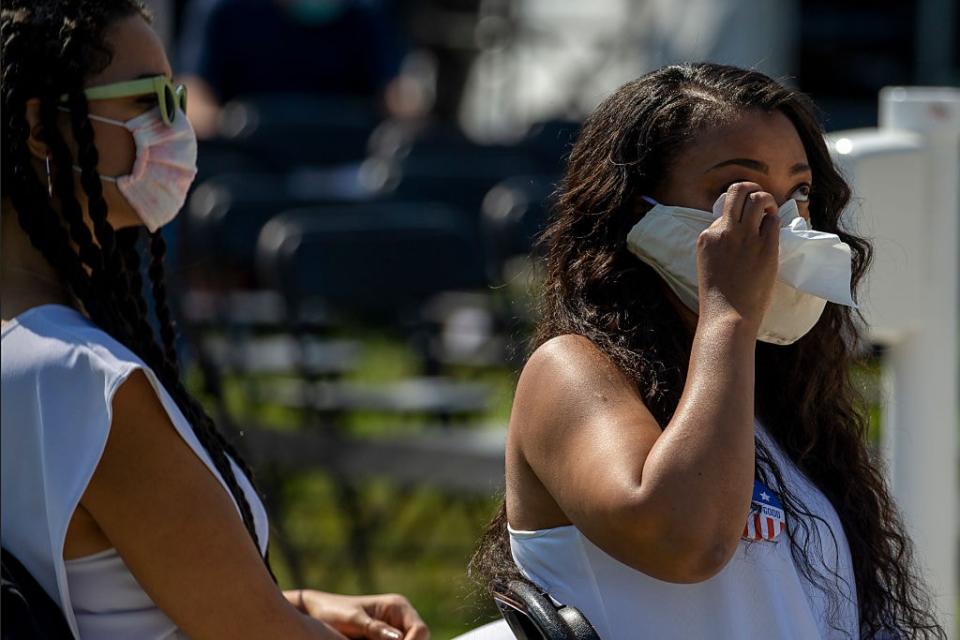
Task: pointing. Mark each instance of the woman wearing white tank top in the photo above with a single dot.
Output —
(120, 497)
(686, 454)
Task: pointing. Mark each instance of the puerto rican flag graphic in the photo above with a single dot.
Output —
(766, 519)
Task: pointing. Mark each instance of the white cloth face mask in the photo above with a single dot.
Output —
(814, 266)
(164, 168)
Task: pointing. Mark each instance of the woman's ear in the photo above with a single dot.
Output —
(35, 141)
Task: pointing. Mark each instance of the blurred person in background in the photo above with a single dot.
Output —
(687, 453)
(119, 494)
(447, 30)
(242, 48)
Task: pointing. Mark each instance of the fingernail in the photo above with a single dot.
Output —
(391, 634)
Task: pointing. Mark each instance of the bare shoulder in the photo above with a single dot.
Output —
(567, 380)
(133, 395)
(575, 413)
(139, 419)
(571, 368)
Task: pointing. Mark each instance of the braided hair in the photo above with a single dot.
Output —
(50, 48)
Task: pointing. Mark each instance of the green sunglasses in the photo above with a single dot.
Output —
(169, 97)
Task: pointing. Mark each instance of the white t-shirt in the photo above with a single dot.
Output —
(59, 376)
(760, 593)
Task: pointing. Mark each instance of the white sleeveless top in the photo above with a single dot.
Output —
(59, 375)
(760, 593)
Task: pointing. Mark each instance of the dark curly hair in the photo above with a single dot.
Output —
(805, 395)
(51, 48)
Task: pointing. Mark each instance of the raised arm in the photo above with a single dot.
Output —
(671, 503)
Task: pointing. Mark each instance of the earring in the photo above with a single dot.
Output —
(49, 179)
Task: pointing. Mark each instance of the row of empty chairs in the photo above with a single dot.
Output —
(314, 227)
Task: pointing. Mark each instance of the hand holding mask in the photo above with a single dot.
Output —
(814, 266)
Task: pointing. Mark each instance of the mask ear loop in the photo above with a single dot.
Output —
(49, 179)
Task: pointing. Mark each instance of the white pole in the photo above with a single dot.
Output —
(924, 412)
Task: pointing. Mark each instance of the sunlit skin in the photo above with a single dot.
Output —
(582, 447)
(759, 147)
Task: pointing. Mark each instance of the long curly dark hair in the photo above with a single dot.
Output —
(51, 48)
(805, 396)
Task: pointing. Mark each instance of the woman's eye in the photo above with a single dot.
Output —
(801, 193)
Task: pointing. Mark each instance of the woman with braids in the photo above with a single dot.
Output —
(686, 455)
(119, 495)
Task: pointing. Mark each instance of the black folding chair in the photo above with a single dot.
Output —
(550, 142)
(460, 179)
(374, 265)
(288, 130)
(514, 213)
(439, 163)
(378, 258)
(532, 615)
(224, 215)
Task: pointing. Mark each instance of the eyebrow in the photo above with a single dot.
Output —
(756, 165)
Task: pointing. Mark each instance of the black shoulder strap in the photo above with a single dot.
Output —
(28, 611)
